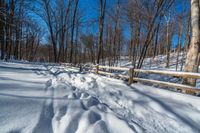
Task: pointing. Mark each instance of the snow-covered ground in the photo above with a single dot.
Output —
(159, 62)
(41, 98)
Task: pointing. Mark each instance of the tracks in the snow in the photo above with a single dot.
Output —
(74, 110)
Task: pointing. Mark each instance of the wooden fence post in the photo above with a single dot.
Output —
(80, 68)
(130, 72)
(97, 69)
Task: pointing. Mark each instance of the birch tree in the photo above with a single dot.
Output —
(192, 59)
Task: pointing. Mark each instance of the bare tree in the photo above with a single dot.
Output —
(72, 31)
(192, 60)
(101, 27)
(49, 19)
(161, 6)
(2, 26)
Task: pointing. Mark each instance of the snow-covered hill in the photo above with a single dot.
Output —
(159, 62)
(42, 98)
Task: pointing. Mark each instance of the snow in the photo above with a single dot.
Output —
(159, 62)
(48, 98)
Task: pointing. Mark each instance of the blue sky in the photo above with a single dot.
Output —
(89, 11)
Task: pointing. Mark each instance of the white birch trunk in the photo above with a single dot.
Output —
(192, 59)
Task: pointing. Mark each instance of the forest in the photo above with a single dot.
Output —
(62, 30)
(68, 31)
(99, 66)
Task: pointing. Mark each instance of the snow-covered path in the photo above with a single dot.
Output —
(32, 100)
(22, 96)
(46, 99)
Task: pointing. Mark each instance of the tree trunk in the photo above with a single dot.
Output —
(2, 31)
(179, 45)
(192, 60)
(156, 39)
(76, 41)
(72, 33)
(168, 46)
(101, 25)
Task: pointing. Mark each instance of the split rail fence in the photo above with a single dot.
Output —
(103, 70)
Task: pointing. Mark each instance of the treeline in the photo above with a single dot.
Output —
(58, 31)
(19, 35)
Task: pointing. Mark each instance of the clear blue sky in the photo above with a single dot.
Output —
(89, 11)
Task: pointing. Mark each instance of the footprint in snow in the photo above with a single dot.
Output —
(78, 95)
(37, 72)
(84, 95)
(61, 112)
(73, 88)
(102, 107)
(91, 101)
(93, 117)
(120, 93)
(100, 127)
(65, 96)
(73, 95)
(82, 79)
(49, 83)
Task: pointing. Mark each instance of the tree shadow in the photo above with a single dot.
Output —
(23, 69)
(17, 80)
(193, 125)
(34, 97)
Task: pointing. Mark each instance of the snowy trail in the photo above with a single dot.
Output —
(22, 94)
(33, 100)
(53, 99)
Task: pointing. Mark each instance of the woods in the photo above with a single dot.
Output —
(61, 31)
(99, 66)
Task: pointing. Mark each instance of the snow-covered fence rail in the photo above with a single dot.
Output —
(184, 88)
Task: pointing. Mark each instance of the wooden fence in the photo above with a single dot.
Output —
(102, 70)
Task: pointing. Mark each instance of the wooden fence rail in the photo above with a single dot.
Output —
(102, 70)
